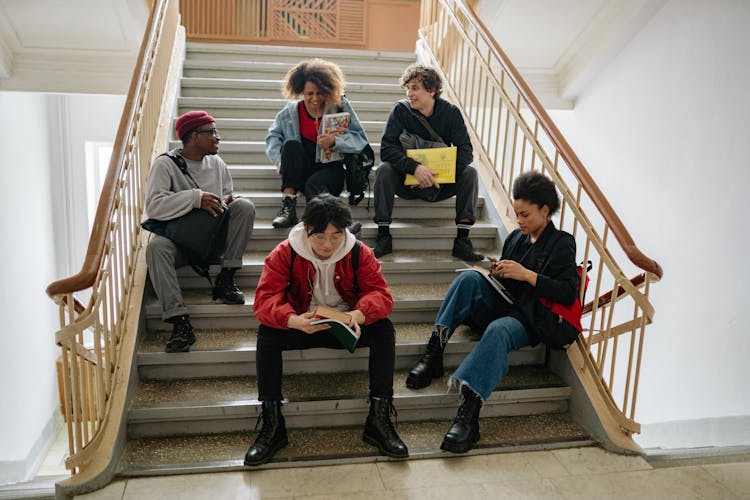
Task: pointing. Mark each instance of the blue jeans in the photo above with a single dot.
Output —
(471, 300)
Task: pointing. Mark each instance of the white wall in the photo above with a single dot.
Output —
(45, 229)
(664, 130)
(28, 390)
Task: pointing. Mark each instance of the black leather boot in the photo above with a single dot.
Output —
(429, 366)
(379, 430)
(182, 335)
(287, 216)
(464, 250)
(272, 435)
(226, 289)
(464, 432)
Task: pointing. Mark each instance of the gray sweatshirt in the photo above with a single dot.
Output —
(171, 194)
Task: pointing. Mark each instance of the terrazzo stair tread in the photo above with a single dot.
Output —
(216, 341)
(313, 387)
(282, 53)
(317, 446)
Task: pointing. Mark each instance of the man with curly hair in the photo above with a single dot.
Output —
(423, 103)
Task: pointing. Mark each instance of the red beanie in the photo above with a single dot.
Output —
(191, 121)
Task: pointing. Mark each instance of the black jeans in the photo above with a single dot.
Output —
(379, 337)
(300, 171)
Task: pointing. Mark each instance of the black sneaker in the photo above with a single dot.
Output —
(227, 290)
(383, 245)
(182, 337)
(464, 250)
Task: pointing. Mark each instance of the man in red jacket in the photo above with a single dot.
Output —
(314, 267)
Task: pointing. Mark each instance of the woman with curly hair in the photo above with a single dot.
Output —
(295, 142)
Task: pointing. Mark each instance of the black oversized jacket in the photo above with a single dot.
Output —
(559, 282)
(446, 120)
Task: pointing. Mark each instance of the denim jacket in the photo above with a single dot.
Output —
(286, 126)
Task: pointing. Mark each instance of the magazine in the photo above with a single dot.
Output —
(493, 281)
(441, 160)
(337, 322)
(336, 123)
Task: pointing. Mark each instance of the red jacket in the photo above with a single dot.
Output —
(277, 297)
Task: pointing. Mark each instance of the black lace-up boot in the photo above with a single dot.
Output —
(226, 289)
(464, 432)
(182, 335)
(287, 216)
(463, 249)
(272, 435)
(429, 366)
(379, 430)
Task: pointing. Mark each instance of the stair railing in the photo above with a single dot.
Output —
(94, 330)
(512, 134)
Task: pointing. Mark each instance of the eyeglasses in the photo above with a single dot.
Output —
(332, 238)
(212, 131)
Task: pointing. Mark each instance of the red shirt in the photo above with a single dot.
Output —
(308, 126)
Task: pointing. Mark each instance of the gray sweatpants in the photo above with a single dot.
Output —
(163, 257)
(389, 182)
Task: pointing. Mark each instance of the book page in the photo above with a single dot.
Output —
(441, 160)
(336, 123)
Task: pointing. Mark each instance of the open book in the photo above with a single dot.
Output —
(337, 322)
(441, 160)
(335, 123)
(493, 281)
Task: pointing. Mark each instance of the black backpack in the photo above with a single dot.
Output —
(358, 166)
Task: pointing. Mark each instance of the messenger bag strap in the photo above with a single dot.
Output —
(433, 135)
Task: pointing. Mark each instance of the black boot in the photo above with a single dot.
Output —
(287, 216)
(464, 432)
(226, 289)
(429, 366)
(182, 335)
(383, 244)
(464, 250)
(272, 435)
(379, 430)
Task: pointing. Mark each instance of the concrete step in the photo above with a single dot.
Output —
(271, 88)
(253, 152)
(309, 447)
(255, 129)
(392, 61)
(217, 405)
(227, 353)
(249, 107)
(202, 67)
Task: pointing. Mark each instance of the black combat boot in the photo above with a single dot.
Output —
(287, 216)
(226, 289)
(464, 432)
(464, 250)
(272, 435)
(182, 335)
(379, 430)
(383, 244)
(429, 366)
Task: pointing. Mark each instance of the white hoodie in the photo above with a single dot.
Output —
(324, 291)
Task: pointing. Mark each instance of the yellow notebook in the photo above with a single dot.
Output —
(441, 160)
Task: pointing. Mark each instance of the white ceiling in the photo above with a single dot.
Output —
(91, 45)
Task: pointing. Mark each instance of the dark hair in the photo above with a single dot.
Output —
(538, 189)
(326, 209)
(428, 76)
(326, 75)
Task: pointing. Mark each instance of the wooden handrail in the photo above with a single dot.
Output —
(97, 241)
(566, 152)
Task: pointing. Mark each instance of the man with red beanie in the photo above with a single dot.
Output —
(171, 193)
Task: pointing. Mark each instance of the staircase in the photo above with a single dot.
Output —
(196, 411)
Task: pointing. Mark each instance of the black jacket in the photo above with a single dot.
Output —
(446, 120)
(559, 282)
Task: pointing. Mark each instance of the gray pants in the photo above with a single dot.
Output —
(163, 257)
(389, 182)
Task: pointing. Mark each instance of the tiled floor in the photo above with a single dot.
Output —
(572, 473)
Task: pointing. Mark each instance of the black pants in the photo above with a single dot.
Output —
(379, 337)
(300, 171)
